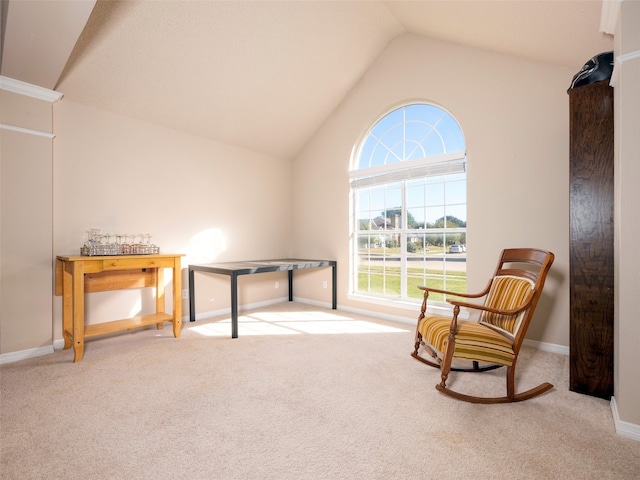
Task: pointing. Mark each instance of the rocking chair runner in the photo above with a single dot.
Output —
(495, 338)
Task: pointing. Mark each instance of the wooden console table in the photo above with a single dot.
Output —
(77, 275)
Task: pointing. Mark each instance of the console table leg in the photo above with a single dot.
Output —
(159, 276)
(77, 280)
(67, 307)
(177, 298)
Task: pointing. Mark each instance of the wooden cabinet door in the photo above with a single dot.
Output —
(591, 239)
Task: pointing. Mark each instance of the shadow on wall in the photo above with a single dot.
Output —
(542, 316)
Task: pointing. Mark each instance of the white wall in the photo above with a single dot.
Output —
(515, 117)
(26, 281)
(217, 202)
(210, 201)
(627, 220)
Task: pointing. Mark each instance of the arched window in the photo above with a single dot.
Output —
(408, 185)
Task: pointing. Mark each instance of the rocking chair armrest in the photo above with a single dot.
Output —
(449, 292)
(514, 311)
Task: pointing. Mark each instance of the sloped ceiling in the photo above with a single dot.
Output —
(261, 75)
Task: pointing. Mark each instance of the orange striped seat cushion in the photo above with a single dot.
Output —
(473, 341)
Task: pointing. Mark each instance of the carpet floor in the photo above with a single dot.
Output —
(303, 393)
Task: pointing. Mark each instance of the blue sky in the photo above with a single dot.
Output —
(411, 133)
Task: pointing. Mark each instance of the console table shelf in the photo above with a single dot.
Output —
(126, 324)
(77, 275)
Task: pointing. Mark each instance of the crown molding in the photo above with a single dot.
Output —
(609, 16)
(28, 131)
(625, 57)
(29, 90)
(620, 59)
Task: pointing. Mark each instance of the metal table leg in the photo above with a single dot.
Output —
(234, 305)
(192, 297)
(334, 282)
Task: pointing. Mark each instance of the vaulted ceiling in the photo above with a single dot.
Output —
(262, 75)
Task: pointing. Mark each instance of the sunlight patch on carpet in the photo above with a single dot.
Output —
(292, 323)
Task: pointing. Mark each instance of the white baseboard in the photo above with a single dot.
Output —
(312, 302)
(544, 346)
(624, 429)
(382, 316)
(24, 354)
(227, 311)
(59, 344)
(547, 347)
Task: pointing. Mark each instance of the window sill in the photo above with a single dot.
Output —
(414, 307)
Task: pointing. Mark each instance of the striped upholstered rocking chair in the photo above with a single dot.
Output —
(495, 338)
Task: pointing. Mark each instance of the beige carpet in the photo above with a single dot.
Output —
(304, 393)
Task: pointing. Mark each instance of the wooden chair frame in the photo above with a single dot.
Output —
(540, 260)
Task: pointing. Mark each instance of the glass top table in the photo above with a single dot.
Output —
(235, 269)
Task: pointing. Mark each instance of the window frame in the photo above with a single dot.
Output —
(401, 172)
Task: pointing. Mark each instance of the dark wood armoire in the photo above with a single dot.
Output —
(591, 239)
